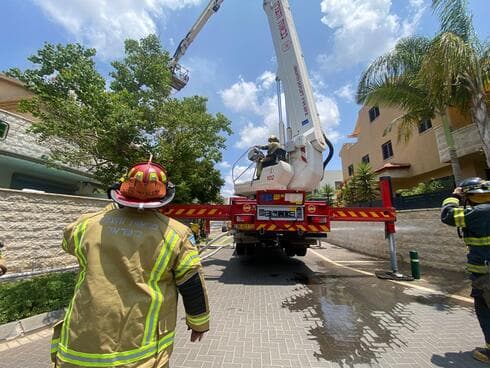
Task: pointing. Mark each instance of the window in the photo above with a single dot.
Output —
(21, 181)
(373, 113)
(365, 159)
(425, 125)
(351, 170)
(387, 149)
(4, 129)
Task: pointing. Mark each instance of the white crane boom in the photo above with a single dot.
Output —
(302, 114)
(180, 77)
(304, 141)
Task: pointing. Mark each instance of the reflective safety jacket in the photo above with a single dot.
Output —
(475, 224)
(123, 313)
(271, 147)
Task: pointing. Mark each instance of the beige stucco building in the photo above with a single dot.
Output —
(424, 157)
(22, 159)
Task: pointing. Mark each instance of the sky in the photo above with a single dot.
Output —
(232, 62)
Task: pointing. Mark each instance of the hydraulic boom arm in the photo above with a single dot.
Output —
(180, 78)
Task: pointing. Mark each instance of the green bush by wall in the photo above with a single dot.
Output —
(26, 298)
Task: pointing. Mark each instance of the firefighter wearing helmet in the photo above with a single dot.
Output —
(272, 150)
(473, 224)
(133, 261)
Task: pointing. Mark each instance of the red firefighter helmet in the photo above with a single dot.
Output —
(144, 187)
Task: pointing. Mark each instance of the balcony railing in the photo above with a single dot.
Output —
(466, 139)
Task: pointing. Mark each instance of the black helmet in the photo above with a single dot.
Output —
(476, 190)
(475, 185)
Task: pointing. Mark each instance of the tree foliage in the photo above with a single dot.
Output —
(425, 77)
(366, 183)
(326, 192)
(106, 126)
(363, 186)
(422, 188)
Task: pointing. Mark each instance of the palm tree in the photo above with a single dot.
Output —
(328, 192)
(366, 184)
(457, 66)
(394, 80)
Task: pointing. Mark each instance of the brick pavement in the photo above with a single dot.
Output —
(271, 312)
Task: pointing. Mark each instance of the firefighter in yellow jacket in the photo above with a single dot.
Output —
(133, 260)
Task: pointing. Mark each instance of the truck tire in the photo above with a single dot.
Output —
(290, 252)
(301, 251)
(240, 250)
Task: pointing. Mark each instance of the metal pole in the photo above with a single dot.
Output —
(387, 197)
(392, 245)
(282, 134)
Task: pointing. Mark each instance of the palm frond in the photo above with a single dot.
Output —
(449, 67)
(404, 60)
(455, 17)
(485, 65)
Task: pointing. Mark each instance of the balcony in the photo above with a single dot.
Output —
(466, 139)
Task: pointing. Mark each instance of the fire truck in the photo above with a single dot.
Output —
(273, 210)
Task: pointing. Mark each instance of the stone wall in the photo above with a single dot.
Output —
(422, 230)
(31, 227)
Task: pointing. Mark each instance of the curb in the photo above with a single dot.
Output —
(16, 329)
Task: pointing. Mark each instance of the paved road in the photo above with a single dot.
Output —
(272, 311)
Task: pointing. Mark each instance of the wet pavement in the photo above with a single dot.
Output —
(273, 311)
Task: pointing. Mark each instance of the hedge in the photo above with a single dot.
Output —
(26, 298)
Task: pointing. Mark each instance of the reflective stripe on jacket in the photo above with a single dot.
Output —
(123, 312)
(475, 224)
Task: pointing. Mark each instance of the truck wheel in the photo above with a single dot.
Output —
(250, 250)
(301, 251)
(240, 250)
(290, 252)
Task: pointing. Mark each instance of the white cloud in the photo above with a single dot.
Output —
(267, 79)
(241, 96)
(346, 92)
(364, 29)
(106, 24)
(258, 102)
(329, 116)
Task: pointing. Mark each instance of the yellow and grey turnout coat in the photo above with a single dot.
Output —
(123, 312)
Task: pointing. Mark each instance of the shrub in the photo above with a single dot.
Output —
(422, 188)
(26, 298)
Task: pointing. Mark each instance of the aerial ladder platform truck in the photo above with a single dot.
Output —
(272, 210)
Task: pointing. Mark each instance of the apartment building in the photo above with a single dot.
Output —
(424, 157)
(22, 159)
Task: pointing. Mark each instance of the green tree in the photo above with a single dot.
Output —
(395, 80)
(328, 192)
(346, 195)
(457, 67)
(107, 127)
(425, 77)
(366, 184)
